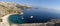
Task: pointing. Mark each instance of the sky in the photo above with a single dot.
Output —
(42, 3)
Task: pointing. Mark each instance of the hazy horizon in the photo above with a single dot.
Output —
(43, 3)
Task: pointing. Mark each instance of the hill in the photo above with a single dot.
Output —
(10, 7)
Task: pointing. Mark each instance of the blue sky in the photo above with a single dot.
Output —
(42, 3)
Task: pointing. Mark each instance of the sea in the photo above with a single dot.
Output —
(40, 15)
(35, 15)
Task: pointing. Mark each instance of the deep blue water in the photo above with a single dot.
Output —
(39, 15)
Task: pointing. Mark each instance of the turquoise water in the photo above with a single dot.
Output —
(16, 18)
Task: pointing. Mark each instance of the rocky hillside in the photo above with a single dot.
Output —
(9, 8)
